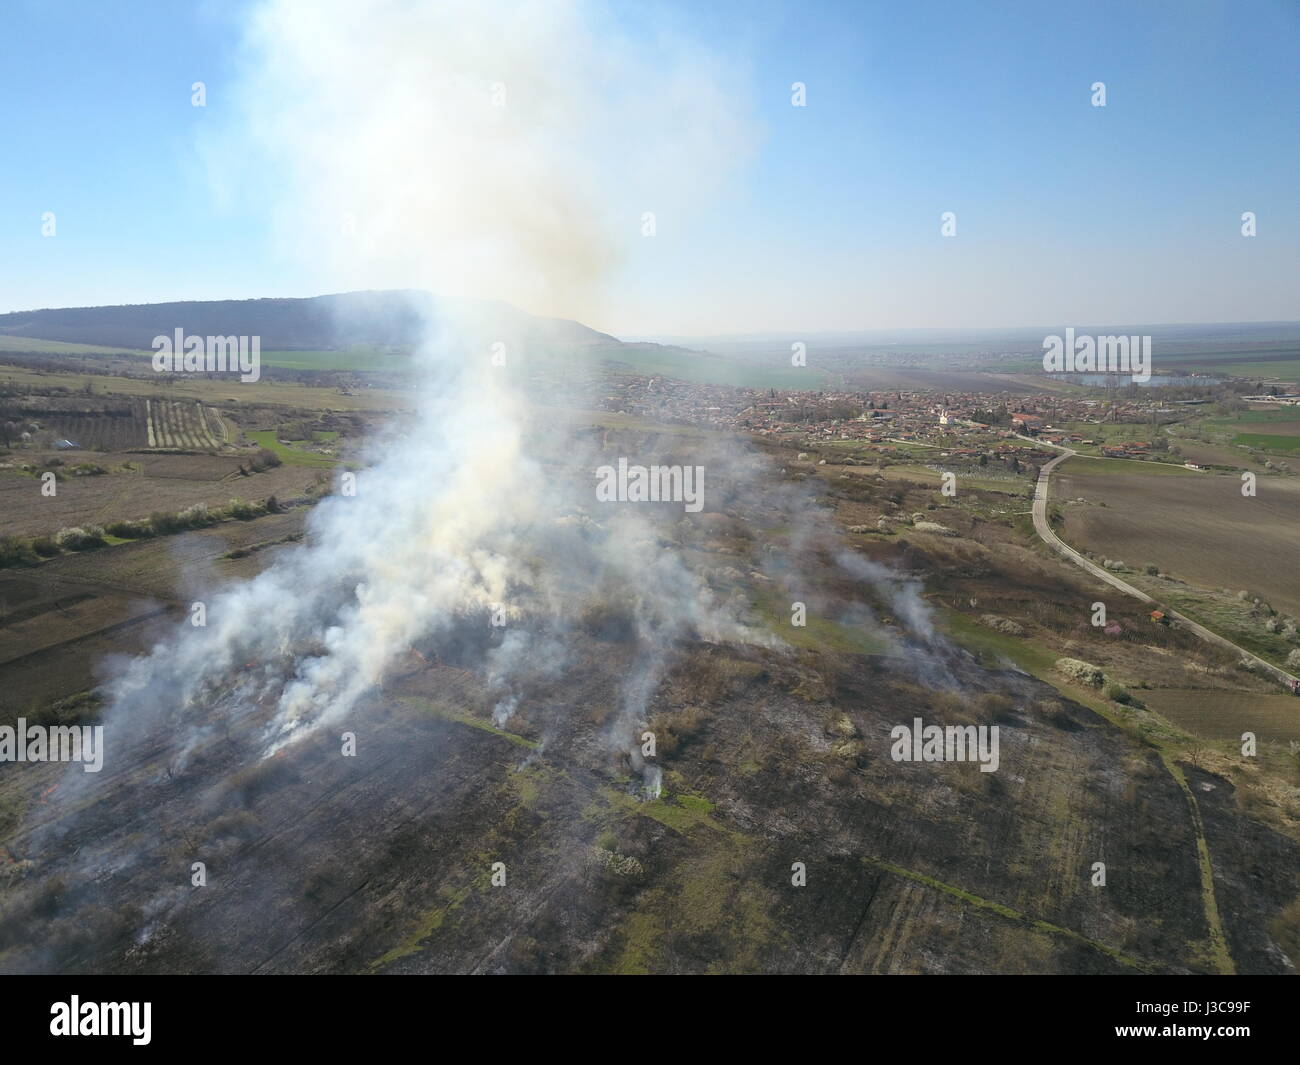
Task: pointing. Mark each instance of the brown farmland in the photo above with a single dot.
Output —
(1197, 526)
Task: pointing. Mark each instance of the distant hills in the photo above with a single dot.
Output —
(382, 319)
(374, 331)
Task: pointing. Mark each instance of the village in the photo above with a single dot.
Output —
(963, 424)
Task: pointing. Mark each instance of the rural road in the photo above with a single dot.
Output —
(1045, 532)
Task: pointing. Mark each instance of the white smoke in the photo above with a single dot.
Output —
(479, 149)
(485, 151)
(929, 652)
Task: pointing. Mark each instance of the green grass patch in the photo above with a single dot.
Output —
(820, 633)
(990, 646)
(290, 456)
(1282, 370)
(1132, 467)
(427, 925)
(1256, 417)
(1269, 441)
(60, 347)
(463, 718)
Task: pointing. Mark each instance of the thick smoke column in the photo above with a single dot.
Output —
(481, 151)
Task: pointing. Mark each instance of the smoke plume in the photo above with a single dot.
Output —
(483, 151)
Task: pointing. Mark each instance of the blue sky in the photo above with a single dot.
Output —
(1065, 212)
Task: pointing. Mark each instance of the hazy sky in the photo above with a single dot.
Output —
(1065, 212)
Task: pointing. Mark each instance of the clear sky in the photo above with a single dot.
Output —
(1065, 212)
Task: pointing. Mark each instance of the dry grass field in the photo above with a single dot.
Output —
(167, 483)
(1218, 455)
(215, 390)
(60, 622)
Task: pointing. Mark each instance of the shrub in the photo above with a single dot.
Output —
(265, 459)
(1084, 672)
(14, 550)
(195, 517)
(76, 538)
(953, 708)
(129, 530)
(678, 728)
(45, 546)
(933, 527)
(242, 511)
(996, 703)
(1006, 625)
(163, 523)
(73, 710)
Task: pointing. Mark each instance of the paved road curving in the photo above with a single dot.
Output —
(1045, 532)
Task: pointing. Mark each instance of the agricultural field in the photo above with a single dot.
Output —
(1225, 715)
(1286, 370)
(374, 360)
(1194, 525)
(1124, 468)
(92, 422)
(1217, 455)
(1273, 432)
(1270, 441)
(27, 345)
(1016, 485)
(151, 484)
(121, 422)
(213, 391)
(183, 425)
(137, 456)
